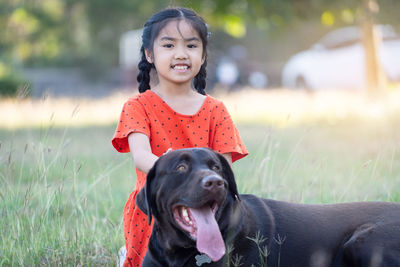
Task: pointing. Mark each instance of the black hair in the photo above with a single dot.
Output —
(152, 28)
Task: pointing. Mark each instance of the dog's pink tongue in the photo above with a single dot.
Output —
(209, 238)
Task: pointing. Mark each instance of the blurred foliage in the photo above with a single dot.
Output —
(65, 33)
(85, 33)
(11, 84)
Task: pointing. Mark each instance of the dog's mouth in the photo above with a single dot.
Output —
(202, 226)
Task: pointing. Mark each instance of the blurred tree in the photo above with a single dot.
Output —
(68, 33)
(376, 78)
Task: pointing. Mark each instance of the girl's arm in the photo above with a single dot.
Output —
(139, 145)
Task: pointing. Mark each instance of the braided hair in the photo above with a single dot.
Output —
(151, 30)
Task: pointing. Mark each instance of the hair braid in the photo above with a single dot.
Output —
(144, 72)
(199, 81)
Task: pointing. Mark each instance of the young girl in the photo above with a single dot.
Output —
(171, 115)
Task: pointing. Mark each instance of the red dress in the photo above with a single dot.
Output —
(147, 113)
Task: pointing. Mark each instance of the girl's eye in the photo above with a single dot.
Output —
(215, 168)
(192, 46)
(168, 45)
(181, 168)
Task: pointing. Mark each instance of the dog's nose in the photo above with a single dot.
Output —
(212, 183)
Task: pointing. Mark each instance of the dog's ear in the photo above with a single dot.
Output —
(229, 176)
(143, 198)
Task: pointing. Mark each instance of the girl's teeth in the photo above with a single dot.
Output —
(180, 67)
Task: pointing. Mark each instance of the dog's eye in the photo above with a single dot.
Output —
(181, 167)
(215, 168)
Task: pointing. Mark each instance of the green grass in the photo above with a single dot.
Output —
(348, 161)
(62, 190)
(62, 194)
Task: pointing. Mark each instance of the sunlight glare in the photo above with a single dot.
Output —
(276, 107)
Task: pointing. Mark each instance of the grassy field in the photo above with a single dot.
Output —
(63, 187)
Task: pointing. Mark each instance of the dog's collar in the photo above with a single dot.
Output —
(201, 259)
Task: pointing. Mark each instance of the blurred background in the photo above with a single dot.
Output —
(89, 48)
(312, 85)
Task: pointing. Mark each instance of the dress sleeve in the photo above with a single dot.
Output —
(133, 119)
(226, 136)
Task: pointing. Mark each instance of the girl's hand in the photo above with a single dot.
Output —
(168, 150)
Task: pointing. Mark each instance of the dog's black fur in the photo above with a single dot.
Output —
(349, 234)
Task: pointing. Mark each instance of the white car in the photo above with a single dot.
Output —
(338, 61)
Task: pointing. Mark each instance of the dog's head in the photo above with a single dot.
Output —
(185, 191)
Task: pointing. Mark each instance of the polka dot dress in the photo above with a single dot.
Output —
(147, 113)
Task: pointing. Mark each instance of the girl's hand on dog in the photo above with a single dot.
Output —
(168, 150)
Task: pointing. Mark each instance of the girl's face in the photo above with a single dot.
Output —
(177, 53)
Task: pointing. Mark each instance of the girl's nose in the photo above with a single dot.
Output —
(181, 52)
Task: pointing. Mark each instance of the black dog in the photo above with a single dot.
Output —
(200, 218)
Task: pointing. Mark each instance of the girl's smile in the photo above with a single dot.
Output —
(180, 67)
